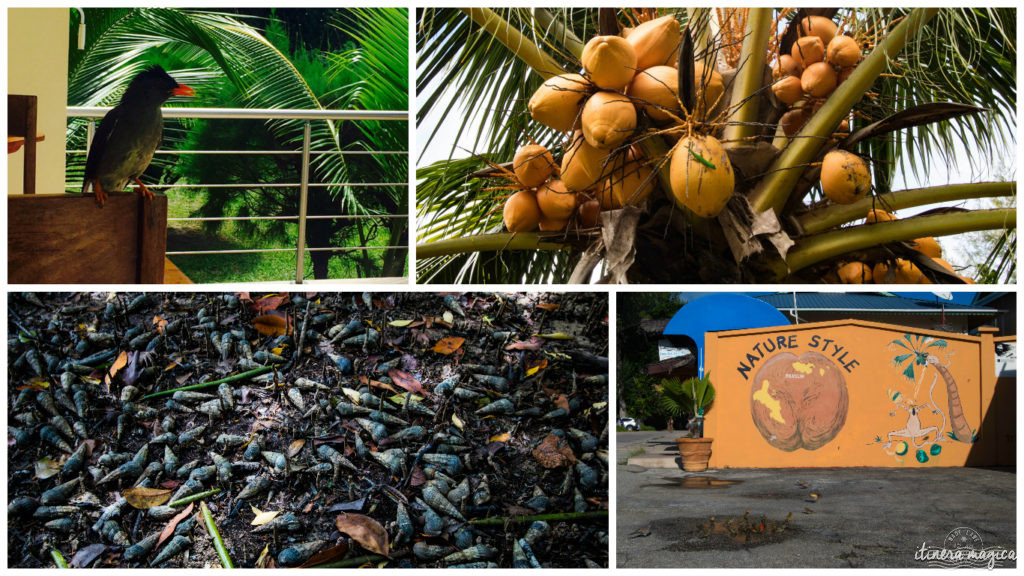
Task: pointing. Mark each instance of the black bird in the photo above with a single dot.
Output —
(129, 134)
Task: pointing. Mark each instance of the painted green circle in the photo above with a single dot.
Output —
(902, 448)
(922, 456)
(935, 450)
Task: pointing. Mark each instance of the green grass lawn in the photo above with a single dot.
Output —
(265, 267)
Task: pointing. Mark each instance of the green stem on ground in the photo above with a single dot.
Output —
(218, 542)
(773, 190)
(352, 562)
(487, 243)
(194, 497)
(821, 219)
(814, 249)
(228, 380)
(58, 558)
(541, 62)
(559, 517)
(749, 76)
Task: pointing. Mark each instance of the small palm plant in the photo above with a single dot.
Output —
(691, 396)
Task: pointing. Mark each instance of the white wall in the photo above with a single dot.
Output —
(37, 64)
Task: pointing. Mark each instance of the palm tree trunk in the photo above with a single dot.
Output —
(958, 422)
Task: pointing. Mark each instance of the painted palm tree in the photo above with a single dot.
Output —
(930, 79)
(234, 64)
(916, 356)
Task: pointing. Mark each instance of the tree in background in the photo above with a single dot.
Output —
(254, 58)
(635, 349)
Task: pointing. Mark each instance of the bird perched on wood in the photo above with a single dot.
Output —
(129, 134)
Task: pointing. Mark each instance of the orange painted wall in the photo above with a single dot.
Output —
(844, 401)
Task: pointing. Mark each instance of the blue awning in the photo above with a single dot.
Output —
(721, 311)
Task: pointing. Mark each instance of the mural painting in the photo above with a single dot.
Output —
(799, 401)
(927, 425)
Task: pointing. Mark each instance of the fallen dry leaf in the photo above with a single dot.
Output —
(407, 381)
(159, 323)
(561, 401)
(295, 447)
(364, 530)
(549, 306)
(86, 555)
(532, 344)
(262, 517)
(47, 468)
(269, 302)
(500, 437)
(537, 367)
(553, 452)
(169, 528)
(144, 498)
(273, 324)
(330, 555)
(400, 323)
(448, 345)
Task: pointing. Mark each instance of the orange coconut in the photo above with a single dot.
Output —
(819, 79)
(655, 89)
(807, 51)
(877, 215)
(588, 213)
(880, 274)
(627, 185)
(583, 166)
(793, 120)
(551, 225)
(701, 175)
(855, 273)
(533, 164)
(655, 42)
(927, 246)
(843, 51)
(710, 88)
(844, 177)
(521, 213)
(608, 120)
(908, 273)
(819, 26)
(557, 103)
(788, 90)
(787, 66)
(556, 202)
(609, 61)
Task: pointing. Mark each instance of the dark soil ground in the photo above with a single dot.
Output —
(101, 343)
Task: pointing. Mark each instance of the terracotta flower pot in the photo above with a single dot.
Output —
(695, 453)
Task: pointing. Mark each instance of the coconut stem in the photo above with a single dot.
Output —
(559, 517)
(833, 215)
(774, 189)
(814, 249)
(541, 62)
(556, 29)
(210, 384)
(58, 558)
(749, 75)
(218, 542)
(193, 498)
(487, 243)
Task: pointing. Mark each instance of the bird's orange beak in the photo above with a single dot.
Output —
(183, 90)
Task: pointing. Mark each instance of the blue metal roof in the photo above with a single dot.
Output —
(871, 302)
(721, 311)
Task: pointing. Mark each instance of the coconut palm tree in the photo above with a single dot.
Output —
(932, 84)
(234, 64)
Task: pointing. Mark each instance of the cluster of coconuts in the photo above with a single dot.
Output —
(819, 61)
(901, 271)
(543, 202)
(624, 77)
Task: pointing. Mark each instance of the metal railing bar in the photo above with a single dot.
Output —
(254, 113)
(317, 217)
(259, 250)
(300, 260)
(283, 152)
(266, 185)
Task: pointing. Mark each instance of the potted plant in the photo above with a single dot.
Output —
(690, 396)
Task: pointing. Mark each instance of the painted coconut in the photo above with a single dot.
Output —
(799, 402)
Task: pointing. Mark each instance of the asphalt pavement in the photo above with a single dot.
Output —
(837, 517)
